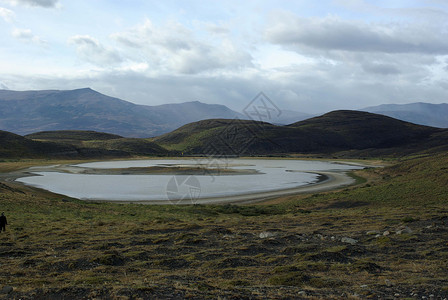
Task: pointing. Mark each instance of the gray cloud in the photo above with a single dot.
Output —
(382, 69)
(316, 89)
(334, 34)
(92, 51)
(41, 3)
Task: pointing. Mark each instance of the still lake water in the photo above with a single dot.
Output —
(272, 174)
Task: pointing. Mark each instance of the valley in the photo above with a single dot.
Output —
(372, 233)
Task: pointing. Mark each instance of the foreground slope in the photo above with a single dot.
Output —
(383, 239)
(333, 132)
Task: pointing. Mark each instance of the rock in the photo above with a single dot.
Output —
(349, 240)
(266, 234)
(7, 289)
(386, 233)
(302, 293)
(372, 232)
(403, 229)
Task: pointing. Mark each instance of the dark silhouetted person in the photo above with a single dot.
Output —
(3, 222)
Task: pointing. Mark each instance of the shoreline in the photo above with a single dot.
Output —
(327, 181)
(330, 181)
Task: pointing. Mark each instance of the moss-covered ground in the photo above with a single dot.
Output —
(385, 237)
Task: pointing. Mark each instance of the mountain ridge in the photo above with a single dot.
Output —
(26, 112)
(418, 112)
(85, 109)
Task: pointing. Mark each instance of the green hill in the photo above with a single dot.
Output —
(100, 141)
(74, 144)
(333, 132)
(15, 146)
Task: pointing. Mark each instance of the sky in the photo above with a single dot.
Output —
(307, 56)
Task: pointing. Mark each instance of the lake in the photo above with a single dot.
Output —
(215, 178)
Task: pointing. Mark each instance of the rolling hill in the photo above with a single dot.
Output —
(99, 141)
(333, 132)
(419, 113)
(74, 145)
(341, 133)
(14, 146)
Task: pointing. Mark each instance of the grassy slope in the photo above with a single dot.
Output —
(13, 145)
(77, 249)
(333, 132)
(72, 135)
(133, 146)
(89, 141)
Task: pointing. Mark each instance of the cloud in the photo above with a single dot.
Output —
(335, 34)
(90, 49)
(39, 3)
(381, 68)
(27, 35)
(7, 14)
(175, 48)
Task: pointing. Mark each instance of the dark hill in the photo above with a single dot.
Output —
(361, 130)
(68, 144)
(333, 132)
(14, 146)
(100, 141)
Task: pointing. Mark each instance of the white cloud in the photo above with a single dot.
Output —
(7, 14)
(90, 49)
(41, 3)
(175, 48)
(28, 36)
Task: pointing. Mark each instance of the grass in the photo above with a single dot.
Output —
(79, 249)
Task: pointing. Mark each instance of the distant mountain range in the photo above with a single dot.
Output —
(419, 113)
(26, 112)
(85, 109)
